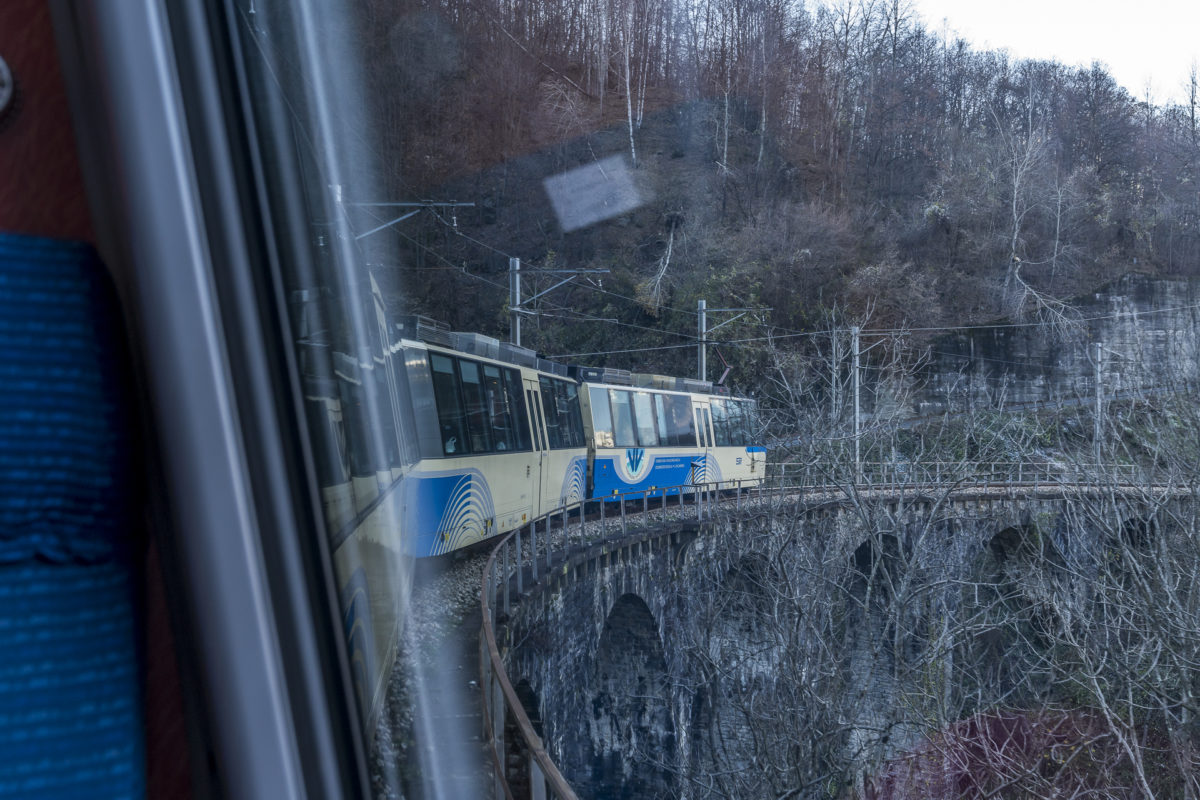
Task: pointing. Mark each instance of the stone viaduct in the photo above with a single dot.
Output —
(618, 652)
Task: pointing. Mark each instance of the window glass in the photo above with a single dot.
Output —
(825, 175)
(720, 421)
(358, 438)
(571, 420)
(535, 416)
(550, 411)
(560, 404)
(602, 424)
(702, 423)
(679, 423)
(449, 405)
(740, 411)
(660, 420)
(515, 411)
(479, 423)
(644, 418)
(622, 412)
(499, 419)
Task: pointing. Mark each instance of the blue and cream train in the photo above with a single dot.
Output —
(481, 437)
(437, 440)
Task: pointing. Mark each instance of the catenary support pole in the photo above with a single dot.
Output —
(1096, 425)
(857, 422)
(514, 301)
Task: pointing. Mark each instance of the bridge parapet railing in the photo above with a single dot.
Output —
(522, 558)
(815, 476)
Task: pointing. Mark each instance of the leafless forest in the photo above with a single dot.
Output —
(791, 155)
(842, 162)
(910, 649)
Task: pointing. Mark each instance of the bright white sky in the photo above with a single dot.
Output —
(1155, 40)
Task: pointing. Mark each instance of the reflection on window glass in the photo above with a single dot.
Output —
(516, 413)
(570, 414)
(479, 423)
(720, 422)
(818, 174)
(622, 412)
(678, 420)
(449, 405)
(560, 405)
(602, 424)
(645, 418)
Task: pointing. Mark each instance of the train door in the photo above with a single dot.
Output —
(541, 448)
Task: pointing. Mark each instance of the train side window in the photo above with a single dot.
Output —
(602, 426)
(660, 420)
(644, 418)
(449, 405)
(539, 426)
(720, 423)
(572, 418)
(622, 411)
(680, 428)
(543, 425)
(517, 411)
(479, 423)
(740, 411)
(550, 411)
(499, 415)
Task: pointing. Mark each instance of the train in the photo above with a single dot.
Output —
(440, 440)
(483, 436)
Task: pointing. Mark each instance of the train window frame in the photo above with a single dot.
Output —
(517, 413)
(645, 420)
(443, 393)
(600, 410)
(478, 420)
(624, 428)
(719, 422)
(677, 409)
(574, 411)
(552, 415)
(563, 413)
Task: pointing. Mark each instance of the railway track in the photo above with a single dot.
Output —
(443, 637)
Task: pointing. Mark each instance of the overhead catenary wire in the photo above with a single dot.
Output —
(778, 333)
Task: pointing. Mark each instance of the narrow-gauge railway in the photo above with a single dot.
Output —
(480, 438)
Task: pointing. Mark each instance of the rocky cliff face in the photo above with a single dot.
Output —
(1147, 329)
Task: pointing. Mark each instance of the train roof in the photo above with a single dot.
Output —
(432, 332)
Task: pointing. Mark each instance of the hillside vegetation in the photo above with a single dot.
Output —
(790, 156)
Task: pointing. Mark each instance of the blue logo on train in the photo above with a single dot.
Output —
(447, 510)
(635, 461)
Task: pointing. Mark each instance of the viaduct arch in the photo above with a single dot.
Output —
(633, 699)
